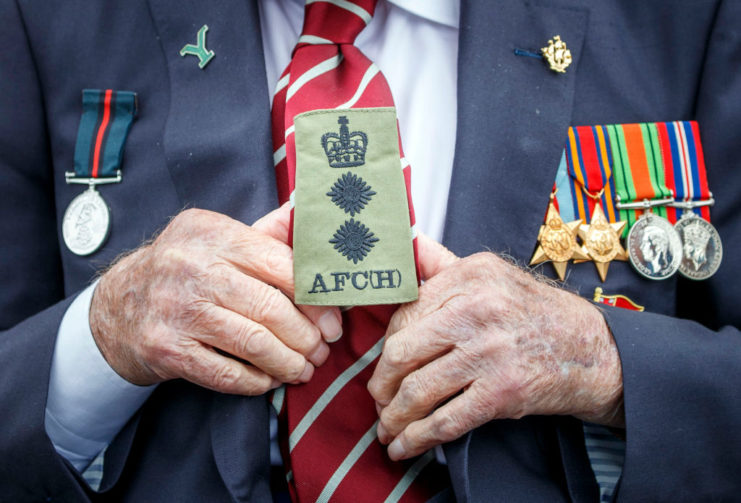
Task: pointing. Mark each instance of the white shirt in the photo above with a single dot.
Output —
(415, 44)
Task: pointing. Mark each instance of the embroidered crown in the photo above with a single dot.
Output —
(345, 150)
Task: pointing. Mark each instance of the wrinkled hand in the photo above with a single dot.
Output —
(207, 296)
(513, 345)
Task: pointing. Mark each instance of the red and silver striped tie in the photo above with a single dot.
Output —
(330, 422)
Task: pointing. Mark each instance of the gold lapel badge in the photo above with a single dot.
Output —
(557, 55)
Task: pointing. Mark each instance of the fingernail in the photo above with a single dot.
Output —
(383, 435)
(275, 384)
(396, 450)
(307, 373)
(320, 355)
(330, 325)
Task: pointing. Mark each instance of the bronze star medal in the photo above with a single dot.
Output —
(602, 241)
(557, 242)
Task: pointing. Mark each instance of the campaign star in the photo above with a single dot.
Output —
(602, 241)
(557, 242)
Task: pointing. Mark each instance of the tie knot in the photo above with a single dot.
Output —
(335, 21)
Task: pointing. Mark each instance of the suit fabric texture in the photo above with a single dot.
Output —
(202, 139)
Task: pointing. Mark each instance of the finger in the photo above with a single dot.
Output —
(327, 319)
(260, 256)
(247, 248)
(256, 344)
(276, 223)
(204, 367)
(435, 295)
(420, 392)
(405, 352)
(269, 307)
(447, 423)
(433, 257)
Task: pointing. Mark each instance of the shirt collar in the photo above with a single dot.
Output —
(445, 12)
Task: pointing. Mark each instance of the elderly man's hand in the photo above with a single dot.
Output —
(210, 301)
(500, 343)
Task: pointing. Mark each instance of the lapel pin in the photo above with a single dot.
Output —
(199, 50)
(615, 300)
(557, 55)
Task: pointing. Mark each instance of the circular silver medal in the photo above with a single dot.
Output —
(701, 247)
(654, 247)
(86, 222)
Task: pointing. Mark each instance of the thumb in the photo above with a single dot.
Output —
(328, 319)
(275, 223)
(433, 257)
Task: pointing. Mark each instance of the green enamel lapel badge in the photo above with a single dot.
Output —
(352, 239)
(199, 50)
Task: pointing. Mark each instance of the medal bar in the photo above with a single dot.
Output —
(71, 178)
(660, 196)
(107, 116)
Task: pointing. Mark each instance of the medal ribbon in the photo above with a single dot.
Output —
(684, 165)
(106, 119)
(639, 168)
(588, 159)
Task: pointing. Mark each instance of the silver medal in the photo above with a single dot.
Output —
(86, 223)
(701, 247)
(654, 247)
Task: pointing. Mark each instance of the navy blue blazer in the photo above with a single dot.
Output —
(202, 139)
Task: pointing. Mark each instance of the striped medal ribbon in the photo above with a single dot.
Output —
(107, 116)
(684, 170)
(589, 195)
(589, 165)
(328, 425)
(643, 192)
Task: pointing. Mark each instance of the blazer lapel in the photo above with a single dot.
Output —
(217, 139)
(456, 454)
(513, 114)
(575, 461)
(218, 150)
(241, 444)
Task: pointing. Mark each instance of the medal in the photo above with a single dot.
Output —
(588, 194)
(557, 241)
(86, 223)
(656, 168)
(644, 189)
(602, 241)
(104, 125)
(654, 247)
(702, 250)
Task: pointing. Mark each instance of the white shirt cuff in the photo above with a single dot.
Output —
(88, 401)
